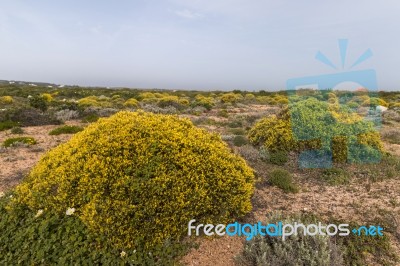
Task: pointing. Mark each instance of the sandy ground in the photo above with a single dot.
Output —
(15, 162)
(215, 251)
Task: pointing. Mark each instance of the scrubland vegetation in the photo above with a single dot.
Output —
(139, 164)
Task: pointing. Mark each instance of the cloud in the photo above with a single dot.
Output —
(186, 13)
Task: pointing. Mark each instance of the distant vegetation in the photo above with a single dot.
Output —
(65, 130)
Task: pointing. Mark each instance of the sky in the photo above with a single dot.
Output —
(195, 44)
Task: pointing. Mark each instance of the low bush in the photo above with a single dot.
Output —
(231, 97)
(19, 140)
(238, 131)
(94, 101)
(102, 172)
(158, 110)
(66, 130)
(278, 157)
(32, 117)
(250, 98)
(336, 176)
(273, 133)
(47, 97)
(358, 249)
(283, 180)
(206, 102)
(239, 141)
(173, 101)
(131, 103)
(391, 115)
(264, 154)
(235, 123)
(17, 130)
(66, 115)
(392, 135)
(223, 113)
(6, 100)
(90, 118)
(45, 237)
(313, 125)
(248, 152)
(7, 125)
(38, 102)
(295, 250)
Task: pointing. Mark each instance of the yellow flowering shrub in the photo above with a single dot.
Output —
(132, 102)
(47, 97)
(318, 125)
(138, 178)
(206, 102)
(146, 95)
(231, 97)
(273, 133)
(374, 101)
(6, 100)
(93, 101)
(169, 101)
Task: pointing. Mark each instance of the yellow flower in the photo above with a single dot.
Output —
(123, 253)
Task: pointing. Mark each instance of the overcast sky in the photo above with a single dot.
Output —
(194, 44)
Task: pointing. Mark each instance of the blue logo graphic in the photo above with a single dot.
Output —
(368, 231)
(353, 112)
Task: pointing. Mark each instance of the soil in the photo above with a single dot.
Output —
(15, 162)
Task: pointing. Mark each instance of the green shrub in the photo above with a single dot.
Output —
(39, 103)
(336, 176)
(238, 131)
(32, 117)
(7, 125)
(50, 238)
(353, 104)
(319, 125)
(264, 154)
(90, 118)
(223, 113)
(170, 101)
(283, 180)
(17, 130)
(235, 123)
(374, 101)
(295, 250)
(14, 141)
(239, 141)
(249, 97)
(102, 172)
(278, 157)
(65, 130)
